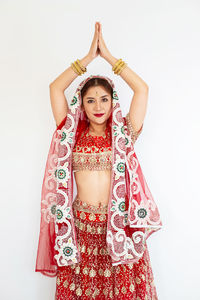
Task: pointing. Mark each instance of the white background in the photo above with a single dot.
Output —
(160, 41)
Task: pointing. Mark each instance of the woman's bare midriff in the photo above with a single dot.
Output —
(93, 187)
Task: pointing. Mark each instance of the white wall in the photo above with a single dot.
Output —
(160, 41)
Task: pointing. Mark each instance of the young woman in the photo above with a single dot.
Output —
(95, 243)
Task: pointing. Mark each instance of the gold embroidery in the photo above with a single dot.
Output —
(83, 248)
(134, 134)
(88, 292)
(58, 281)
(72, 266)
(89, 250)
(93, 229)
(88, 228)
(107, 273)
(82, 226)
(78, 204)
(132, 288)
(111, 294)
(95, 251)
(96, 292)
(143, 277)
(137, 280)
(77, 270)
(86, 271)
(78, 291)
(102, 217)
(105, 291)
(130, 265)
(123, 289)
(101, 272)
(72, 286)
(116, 291)
(92, 161)
(82, 215)
(92, 272)
(65, 283)
(92, 217)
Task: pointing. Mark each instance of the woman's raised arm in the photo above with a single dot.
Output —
(57, 87)
(59, 103)
(138, 104)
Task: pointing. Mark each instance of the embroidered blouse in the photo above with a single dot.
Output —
(92, 152)
(95, 152)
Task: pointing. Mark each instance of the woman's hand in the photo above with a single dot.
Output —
(94, 50)
(104, 52)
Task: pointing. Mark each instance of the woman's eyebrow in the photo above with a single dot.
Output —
(94, 98)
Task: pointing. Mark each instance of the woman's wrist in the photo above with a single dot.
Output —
(111, 59)
(86, 60)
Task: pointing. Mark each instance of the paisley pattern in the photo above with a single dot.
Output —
(95, 277)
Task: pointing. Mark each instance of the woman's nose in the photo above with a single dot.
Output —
(98, 105)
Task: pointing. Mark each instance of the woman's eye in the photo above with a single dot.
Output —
(90, 101)
(105, 99)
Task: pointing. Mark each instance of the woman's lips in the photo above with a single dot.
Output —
(98, 115)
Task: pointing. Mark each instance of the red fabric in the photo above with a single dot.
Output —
(103, 144)
(132, 212)
(95, 277)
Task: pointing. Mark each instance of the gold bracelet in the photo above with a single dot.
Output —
(116, 64)
(84, 69)
(74, 68)
(119, 66)
(78, 68)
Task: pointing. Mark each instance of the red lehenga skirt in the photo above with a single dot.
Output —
(95, 277)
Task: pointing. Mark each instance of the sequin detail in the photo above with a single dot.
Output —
(95, 277)
(134, 134)
(92, 152)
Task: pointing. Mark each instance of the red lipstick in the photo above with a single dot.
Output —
(98, 115)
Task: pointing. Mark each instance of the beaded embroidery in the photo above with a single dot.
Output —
(134, 134)
(92, 152)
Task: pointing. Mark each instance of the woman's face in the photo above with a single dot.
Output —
(97, 101)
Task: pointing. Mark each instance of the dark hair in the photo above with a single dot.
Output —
(96, 81)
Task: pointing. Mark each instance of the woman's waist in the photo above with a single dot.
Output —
(92, 184)
(89, 212)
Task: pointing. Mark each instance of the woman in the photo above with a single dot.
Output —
(95, 242)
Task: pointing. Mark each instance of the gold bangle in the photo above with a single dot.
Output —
(120, 65)
(122, 68)
(74, 68)
(84, 69)
(116, 64)
(78, 67)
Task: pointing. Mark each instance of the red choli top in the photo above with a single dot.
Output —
(95, 152)
(92, 152)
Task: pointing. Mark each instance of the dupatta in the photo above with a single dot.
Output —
(132, 212)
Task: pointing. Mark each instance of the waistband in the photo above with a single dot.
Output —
(78, 204)
(90, 218)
